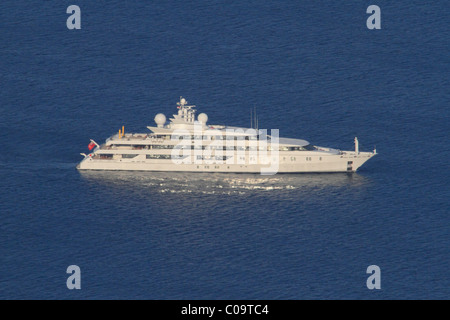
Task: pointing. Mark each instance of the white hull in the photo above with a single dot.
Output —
(290, 164)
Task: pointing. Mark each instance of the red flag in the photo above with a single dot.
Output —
(91, 146)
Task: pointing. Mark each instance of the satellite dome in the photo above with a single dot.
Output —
(203, 118)
(160, 119)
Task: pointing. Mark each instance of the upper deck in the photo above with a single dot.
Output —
(185, 129)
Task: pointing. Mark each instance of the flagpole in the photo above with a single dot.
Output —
(95, 143)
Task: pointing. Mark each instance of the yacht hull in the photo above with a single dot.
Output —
(345, 162)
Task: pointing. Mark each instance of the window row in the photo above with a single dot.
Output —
(212, 147)
(164, 156)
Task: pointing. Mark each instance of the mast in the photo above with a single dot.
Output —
(186, 111)
(356, 145)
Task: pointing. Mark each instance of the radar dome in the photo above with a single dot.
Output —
(203, 118)
(160, 119)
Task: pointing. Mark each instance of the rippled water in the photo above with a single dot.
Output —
(313, 70)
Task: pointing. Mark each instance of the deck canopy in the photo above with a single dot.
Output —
(293, 142)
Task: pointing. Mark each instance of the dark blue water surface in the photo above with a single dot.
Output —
(311, 68)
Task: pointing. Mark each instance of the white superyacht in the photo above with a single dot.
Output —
(192, 145)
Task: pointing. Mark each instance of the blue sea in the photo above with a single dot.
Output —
(312, 69)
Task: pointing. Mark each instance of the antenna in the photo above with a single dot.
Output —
(251, 119)
(255, 122)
